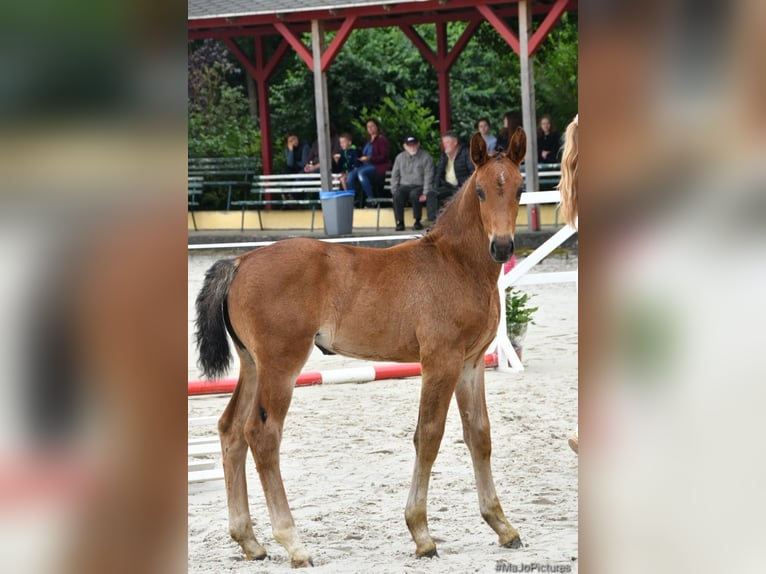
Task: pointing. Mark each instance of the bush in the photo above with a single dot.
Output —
(402, 116)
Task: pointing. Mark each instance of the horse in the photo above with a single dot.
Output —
(277, 302)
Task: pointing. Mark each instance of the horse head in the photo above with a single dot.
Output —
(498, 184)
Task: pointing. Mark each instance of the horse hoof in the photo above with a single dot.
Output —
(428, 554)
(513, 543)
(302, 563)
(261, 556)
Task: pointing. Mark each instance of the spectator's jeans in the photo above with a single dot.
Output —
(405, 192)
(364, 174)
(444, 191)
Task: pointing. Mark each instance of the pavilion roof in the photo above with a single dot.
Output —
(232, 8)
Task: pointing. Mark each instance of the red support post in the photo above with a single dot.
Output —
(442, 72)
(260, 70)
(263, 106)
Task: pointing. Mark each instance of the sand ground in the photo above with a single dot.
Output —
(347, 460)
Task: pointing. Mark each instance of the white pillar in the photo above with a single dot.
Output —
(320, 98)
(528, 101)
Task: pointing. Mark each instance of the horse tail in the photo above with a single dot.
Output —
(212, 318)
(568, 184)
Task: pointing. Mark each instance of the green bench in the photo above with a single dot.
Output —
(229, 173)
(294, 189)
(195, 190)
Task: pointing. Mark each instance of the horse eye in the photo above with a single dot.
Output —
(519, 192)
(480, 193)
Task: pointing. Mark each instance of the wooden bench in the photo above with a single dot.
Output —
(383, 200)
(386, 200)
(195, 190)
(299, 189)
(223, 172)
(548, 175)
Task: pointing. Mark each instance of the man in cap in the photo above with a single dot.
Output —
(411, 178)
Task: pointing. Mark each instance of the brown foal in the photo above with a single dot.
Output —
(277, 302)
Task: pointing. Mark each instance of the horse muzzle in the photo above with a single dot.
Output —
(501, 248)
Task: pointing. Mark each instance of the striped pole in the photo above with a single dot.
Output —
(331, 377)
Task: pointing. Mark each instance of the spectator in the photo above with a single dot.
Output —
(570, 204)
(548, 145)
(482, 125)
(511, 121)
(569, 182)
(411, 177)
(454, 168)
(376, 160)
(296, 153)
(347, 159)
(312, 163)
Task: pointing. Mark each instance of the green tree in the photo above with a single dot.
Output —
(219, 119)
(556, 73)
(401, 116)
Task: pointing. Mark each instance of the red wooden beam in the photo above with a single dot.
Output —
(278, 54)
(296, 43)
(505, 32)
(465, 37)
(422, 46)
(337, 42)
(547, 25)
(251, 68)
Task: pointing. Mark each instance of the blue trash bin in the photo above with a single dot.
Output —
(337, 211)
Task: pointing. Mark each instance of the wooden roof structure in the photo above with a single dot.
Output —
(290, 19)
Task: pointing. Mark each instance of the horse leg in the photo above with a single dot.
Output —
(234, 451)
(473, 413)
(439, 380)
(263, 430)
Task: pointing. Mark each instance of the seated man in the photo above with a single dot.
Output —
(411, 177)
(454, 168)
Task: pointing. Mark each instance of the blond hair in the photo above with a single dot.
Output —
(568, 184)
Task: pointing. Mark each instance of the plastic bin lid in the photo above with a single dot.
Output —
(334, 194)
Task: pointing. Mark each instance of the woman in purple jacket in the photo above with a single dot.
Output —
(376, 160)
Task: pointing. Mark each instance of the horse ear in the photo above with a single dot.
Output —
(479, 155)
(517, 148)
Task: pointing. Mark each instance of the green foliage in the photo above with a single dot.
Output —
(484, 82)
(400, 117)
(220, 124)
(556, 74)
(517, 313)
(226, 129)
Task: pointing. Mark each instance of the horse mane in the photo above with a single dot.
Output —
(454, 225)
(450, 210)
(568, 183)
